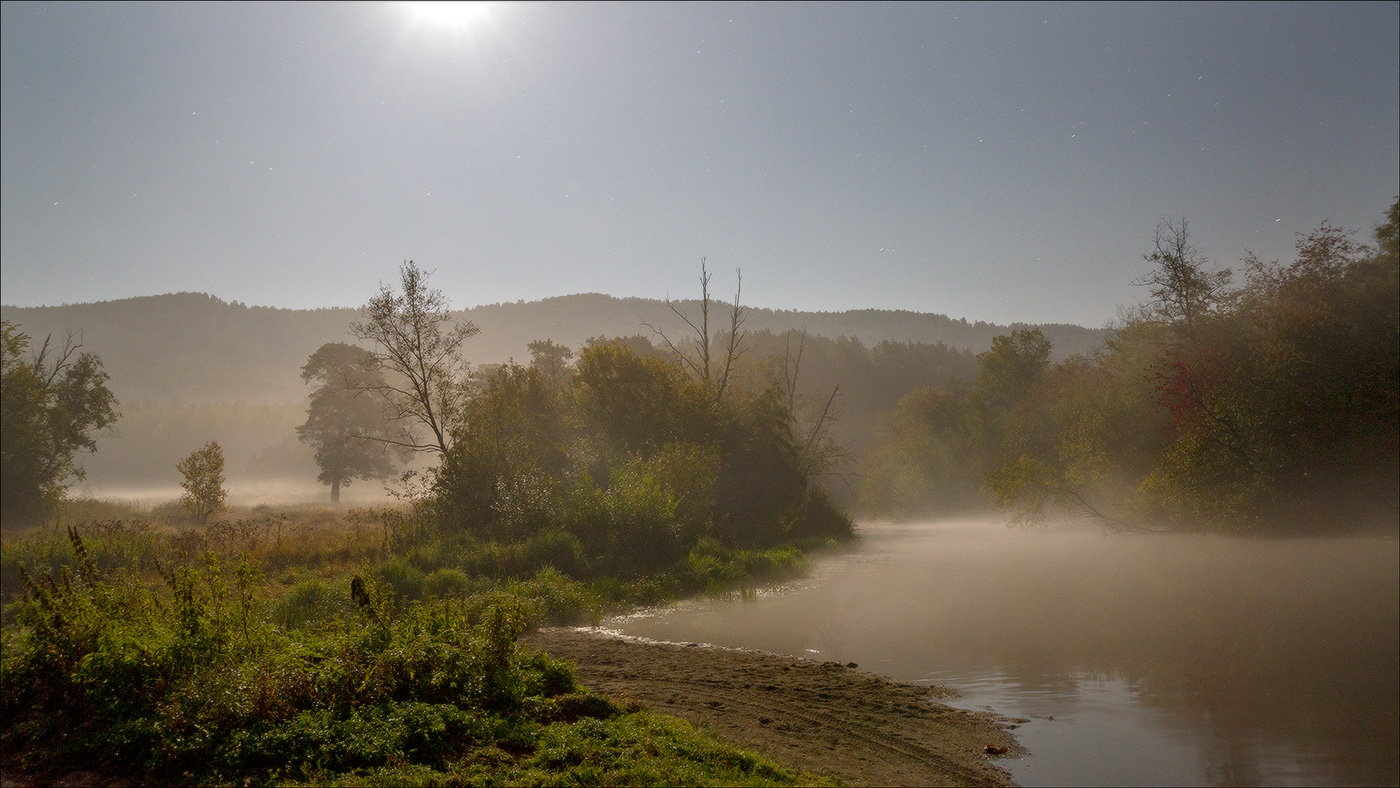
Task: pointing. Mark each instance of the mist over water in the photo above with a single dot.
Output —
(1163, 659)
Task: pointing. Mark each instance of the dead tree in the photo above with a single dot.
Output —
(701, 362)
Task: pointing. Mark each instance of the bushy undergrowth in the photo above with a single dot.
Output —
(123, 645)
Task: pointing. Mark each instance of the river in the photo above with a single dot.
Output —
(1137, 659)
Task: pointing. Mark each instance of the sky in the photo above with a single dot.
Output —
(1000, 162)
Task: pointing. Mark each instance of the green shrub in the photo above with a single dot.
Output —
(373, 736)
(715, 568)
(310, 602)
(818, 517)
(447, 582)
(432, 555)
(556, 549)
(558, 599)
(202, 674)
(402, 576)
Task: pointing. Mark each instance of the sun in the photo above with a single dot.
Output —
(449, 15)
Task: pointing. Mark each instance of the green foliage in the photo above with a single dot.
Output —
(644, 749)
(930, 457)
(509, 450)
(640, 402)
(713, 567)
(1289, 395)
(405, 579)
(167, 652)
(761, 478)
(549, 548)
(192, 680)
(446, 582)
(1211, 407)
(310, 603)
(203, 482)
(560, 491)
(553, 362)
(623, 470)
(1007, 373)
(50, 408)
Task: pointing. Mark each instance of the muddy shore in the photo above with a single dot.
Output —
(823, 717)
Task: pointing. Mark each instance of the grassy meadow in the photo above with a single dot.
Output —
(317, 645)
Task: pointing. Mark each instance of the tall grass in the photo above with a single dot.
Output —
(213, 674)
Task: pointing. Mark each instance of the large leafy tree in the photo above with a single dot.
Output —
(640, 402)
(554, 362)
(55, 404)
(509, 452)
(346, 422)
(1013, 365)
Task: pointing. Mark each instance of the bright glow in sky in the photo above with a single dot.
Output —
(998, 162)
(453, 17)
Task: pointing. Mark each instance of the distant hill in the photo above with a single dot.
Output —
(195, 348)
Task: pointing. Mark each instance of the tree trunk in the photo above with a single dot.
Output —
(335, 491)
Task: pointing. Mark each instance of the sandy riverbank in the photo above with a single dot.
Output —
(823, 717)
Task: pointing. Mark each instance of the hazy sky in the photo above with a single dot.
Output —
(996, 162)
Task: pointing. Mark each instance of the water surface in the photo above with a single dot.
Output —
(1139, 660)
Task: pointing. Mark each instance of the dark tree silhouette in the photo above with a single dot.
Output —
(55, 402)
(346, 422)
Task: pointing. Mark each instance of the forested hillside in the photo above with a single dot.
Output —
(189, 367)
(191, 347)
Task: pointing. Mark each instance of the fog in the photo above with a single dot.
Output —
(1188, 659)
(244, 493)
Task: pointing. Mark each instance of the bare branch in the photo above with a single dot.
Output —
(733, 350)
(1181, 289)
(416, 343)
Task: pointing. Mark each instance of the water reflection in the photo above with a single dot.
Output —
(1162, 659)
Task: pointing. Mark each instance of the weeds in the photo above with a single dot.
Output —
(167, 650)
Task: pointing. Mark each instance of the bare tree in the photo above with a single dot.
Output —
(714, 372)
(417, 342)
(819, 450)
(1182, 290)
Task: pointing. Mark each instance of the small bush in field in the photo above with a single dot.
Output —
(203, 472)
(310, 602)
(447, 582)
(402, 576)
(560, 599)
(556, 549)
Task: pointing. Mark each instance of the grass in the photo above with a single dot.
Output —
(311, 646)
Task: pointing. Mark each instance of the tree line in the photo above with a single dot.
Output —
(1213, 404)
(1270, 404)
(634, 453)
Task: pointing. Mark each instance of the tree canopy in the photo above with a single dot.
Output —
(346, 423)
(203, 482)
(1268, 405)
(55, 404)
